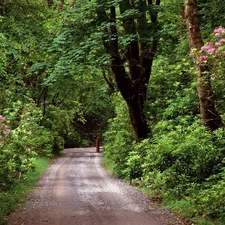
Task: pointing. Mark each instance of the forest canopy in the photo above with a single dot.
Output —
(145, 76)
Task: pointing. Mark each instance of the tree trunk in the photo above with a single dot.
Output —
(50, 3)
(1, 7)
(138, 118)
(209, 115)
(60, 9)
(133, 77)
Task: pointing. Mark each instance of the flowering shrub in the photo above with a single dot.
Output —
(4, 129)
(213, 52)
(216, 47)
(14, 159)
(19, 145)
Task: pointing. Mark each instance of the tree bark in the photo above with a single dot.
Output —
(133, 77)
(1, 7)
(50, 3)
(109, 81)
(209, 115)
(60, 8)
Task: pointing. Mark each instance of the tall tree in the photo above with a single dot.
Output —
(131, 60)
(209, 115)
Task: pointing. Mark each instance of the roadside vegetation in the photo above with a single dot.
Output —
(11, 199)
(132, 73)
(182, 167)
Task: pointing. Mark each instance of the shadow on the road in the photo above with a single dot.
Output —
(82, 150)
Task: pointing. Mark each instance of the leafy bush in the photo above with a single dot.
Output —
(211, 197)
(15, 160)
(118, 137)
(11, 199)
(58, 121)
(182, 157)
(20, 141)
(135, 160)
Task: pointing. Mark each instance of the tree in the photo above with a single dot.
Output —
(131, 59)
(209, 115)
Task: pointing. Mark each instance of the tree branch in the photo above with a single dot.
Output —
(132, 54)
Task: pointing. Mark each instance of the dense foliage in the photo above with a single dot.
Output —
(184, 162)
(48, 99)
(61, 68)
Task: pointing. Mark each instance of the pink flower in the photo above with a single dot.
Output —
(5, 132)
(5, 126)
(217, 34)
(217, 44)
(219, 30)
(2, 118)
(206, 47)
(203, 57)
(222, 40)
(191, 54)
(211, 50)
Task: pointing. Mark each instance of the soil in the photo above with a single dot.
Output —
(77, 190)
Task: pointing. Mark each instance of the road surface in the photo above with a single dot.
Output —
(77, 190)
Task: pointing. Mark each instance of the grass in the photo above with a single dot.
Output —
(183, 207)
(10, 200)
(187, 210)
(107, 164)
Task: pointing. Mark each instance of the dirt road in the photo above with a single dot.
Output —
(76, 190)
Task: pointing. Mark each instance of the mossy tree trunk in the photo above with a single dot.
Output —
(209, 115)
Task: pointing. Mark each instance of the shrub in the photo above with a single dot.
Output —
(118, 138)
(211, 196)
(20, 141)
(180, 159)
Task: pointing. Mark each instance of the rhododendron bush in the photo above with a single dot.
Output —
(215, 50)
(4, 128)
(21, 139)
(213, 53)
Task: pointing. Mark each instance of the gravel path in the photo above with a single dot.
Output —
(76, 190)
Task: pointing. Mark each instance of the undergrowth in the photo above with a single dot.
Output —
(9, 200)
(183, 165)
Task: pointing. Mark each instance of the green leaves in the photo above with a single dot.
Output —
(17, 147)
(118, 138)
(130, 13)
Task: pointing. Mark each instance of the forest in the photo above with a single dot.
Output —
(144, 76)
